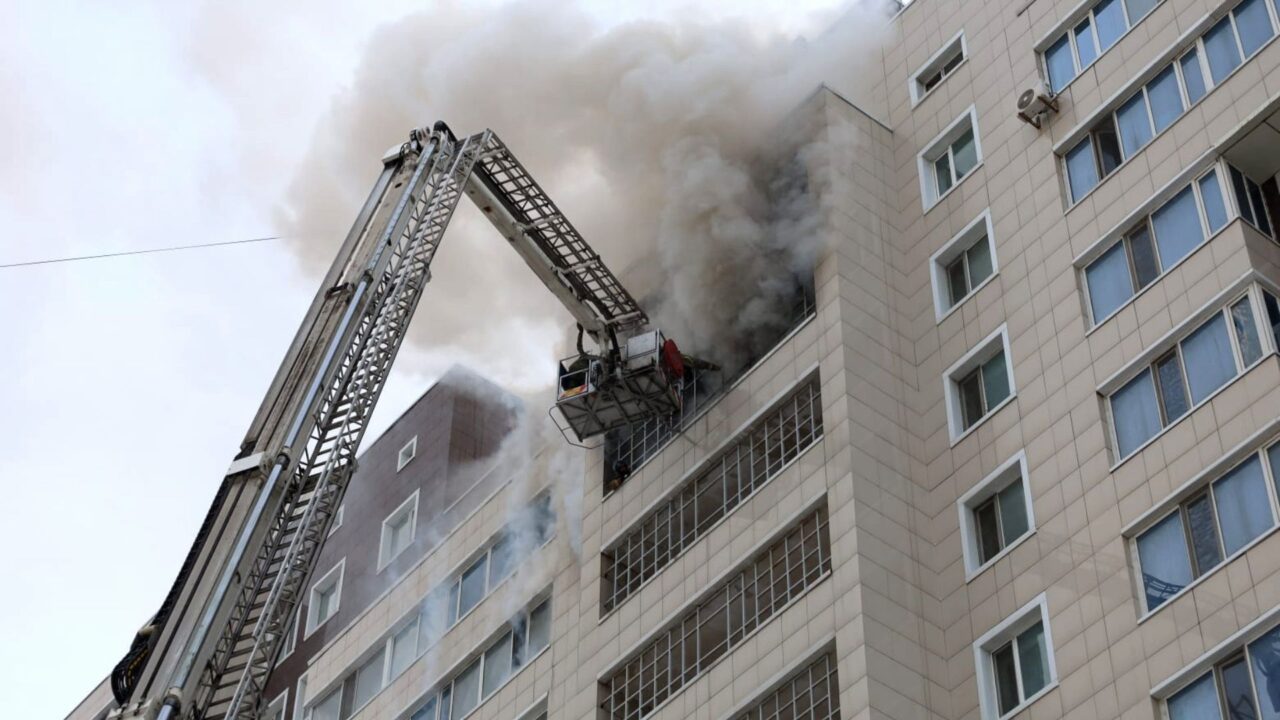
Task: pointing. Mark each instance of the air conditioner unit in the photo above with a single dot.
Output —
(1035, 104)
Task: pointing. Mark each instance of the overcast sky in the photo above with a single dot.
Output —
(127, 383)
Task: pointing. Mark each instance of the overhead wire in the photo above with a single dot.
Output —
(146, 251)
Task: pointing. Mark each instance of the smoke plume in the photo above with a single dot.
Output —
(662, 142)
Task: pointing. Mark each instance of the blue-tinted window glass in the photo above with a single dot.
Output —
(1110, 284)
(1165, 562)
(1211, 193)
(1166, 98)
(1177, 226)
(1244, 508)
(1220, 46)
(1264, 655)
(1192, 76)
(1135, 413)
(1254, 23)
(1139, 8)
(1135, 124)
(1109, 15)
(1060, 63)
(1084, 44)
(1082, 171)
(1199, 701)
(1208, 358)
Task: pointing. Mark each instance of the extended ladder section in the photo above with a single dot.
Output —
(209, 651)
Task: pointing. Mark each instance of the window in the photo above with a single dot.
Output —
(337, 520)
(329, 707)
(326, 595)
(1273, 315)
(398, 530)
(1015, 662)
(1211, 526)
(1094, 34)
(275, 710)
(938, 68)
(964, 264)
(290, 637)
(812, 694)
(1193, 369)
(1155, 105)
(487, 673)
(995, 514)
(726, 480)
(407, 453)
(1245, 685)
(1251, 201)
(978, 384)
(727, 614)
(950, 158)
(1153, 246)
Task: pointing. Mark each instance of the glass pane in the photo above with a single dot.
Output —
(1242, 194)
(1082, 172)
(1177, 227)
(1135, 124)
(971, 398)
(1208, 359)
(1135, 413)
(539, 628)
(988, 530)
(1145, 263)
(1060, 63)
(472, 587)
(497, 665)
(1108, 145)
(1166, 566)
(1254, 23)
(1085, 45)
(404, 648)
(368, 681)
(965, 150)
(957, 280)
(1204, 534)
(942, 171)
(995, 381)
(1264, 653)
(1173, 393)
(979, 261)
(426, 712)
(1033, 657)
(501, 561)
(1211, 193)
(1013, 512)
(466, 691)
(953, 63)
(1110, 284)
(446, 702)
(329, 707)
(1244, 508)
(931, 81)
(1192, 76)
(434, 618)
(1166, 98)
(1273, 315)
(1220, 47)
(1259, 207)
(1109, 14)
(1237, 691)
(1199, 701)
(1006, 678)
(1139, 8)
(1246, 331)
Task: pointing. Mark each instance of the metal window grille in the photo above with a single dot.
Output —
(812, 694)
(789, 427)
(735, 608)
(627, 449)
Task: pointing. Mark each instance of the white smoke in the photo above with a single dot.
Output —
(660, 141)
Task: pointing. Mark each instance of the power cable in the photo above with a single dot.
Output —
(137, 252)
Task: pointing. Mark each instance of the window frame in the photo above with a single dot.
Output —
(407, 510)
(958, 246)
(401, 460)
(312, 624)
(279, 702)
(994, 639)
(937, 63)
(983, 352)
(337, 519)
(1238, 647)
(942, 144)
(1010, 471)
(1236, 203)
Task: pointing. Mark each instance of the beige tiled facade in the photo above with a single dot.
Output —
(899, 609)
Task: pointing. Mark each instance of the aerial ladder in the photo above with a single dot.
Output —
(207, 653)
